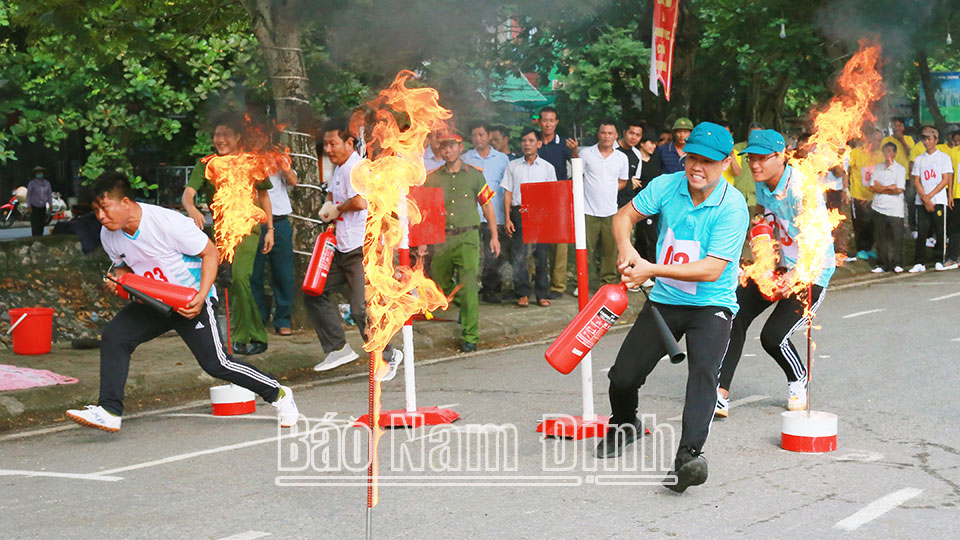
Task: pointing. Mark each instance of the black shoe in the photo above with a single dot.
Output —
(690, 469)
(617, 438)
(241, 348)
(256, 347)
(468, 347)
(554, 295)
(490, 298)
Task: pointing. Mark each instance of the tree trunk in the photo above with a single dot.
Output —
(929, 92)
(684, 57)
(275, 23)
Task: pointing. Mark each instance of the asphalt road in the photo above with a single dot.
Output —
(885, 364)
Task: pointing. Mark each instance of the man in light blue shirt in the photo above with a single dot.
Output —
(779, 203)
(492, 164)
(702, 224)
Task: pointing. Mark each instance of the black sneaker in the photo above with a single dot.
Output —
(490, 298)
(241, 348)
(554, 295)
(468, 347)
(256, 347)
(617, 438)
(690, 469)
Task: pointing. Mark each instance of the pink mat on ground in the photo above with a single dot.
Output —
(18, 378)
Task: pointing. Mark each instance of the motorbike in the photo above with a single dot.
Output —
(14, 210)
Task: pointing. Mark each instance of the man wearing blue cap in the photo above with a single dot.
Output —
(703, 222)
(778, 204)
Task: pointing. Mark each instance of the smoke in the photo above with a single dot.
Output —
(896, 24)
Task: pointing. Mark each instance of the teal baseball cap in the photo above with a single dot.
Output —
(763, 142)
(709, 140)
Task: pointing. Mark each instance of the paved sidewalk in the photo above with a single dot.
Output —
(164, 373)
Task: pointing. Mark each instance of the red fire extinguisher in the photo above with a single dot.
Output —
(763, 247)
(320, 262)
(586, 329)
(175, 296)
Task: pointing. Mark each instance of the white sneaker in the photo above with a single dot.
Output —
(337, 358)
(877, 270)
(939, 267)
(918, 268)
(576, 292)
(950, 265)
(393, 363)
(797, 395)
(723, 406)
(913, 234)
(850, 259)
(95, 416)
(931, 242)
(898, 269)
(287, 411)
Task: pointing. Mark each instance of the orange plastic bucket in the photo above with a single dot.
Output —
(33, 334)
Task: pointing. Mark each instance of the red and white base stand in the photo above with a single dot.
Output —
(588, 424)
(411, 416)
(808, 431)
(231, 400)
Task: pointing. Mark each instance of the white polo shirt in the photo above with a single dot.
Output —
(279, 197)
(894, 175)
(520, 172)
(930, 168)
(600, 180)
(350, 225)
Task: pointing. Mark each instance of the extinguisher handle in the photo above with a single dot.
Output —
(164, 309)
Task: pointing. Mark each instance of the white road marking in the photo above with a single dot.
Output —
(605, 370)
(207, 415)
(447, 406)
(749, 355)
(860, 313)
(877, 508)
(249, 535)
(955, 339)
(864, 456)
(944, 297)
(732, 404)
(99, 477)
(824, 356)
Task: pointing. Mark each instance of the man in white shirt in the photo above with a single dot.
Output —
(887, 182)
(605, 171)
(167, 246)
(492, 164)
(528, 169)
(349, 209)
(282, 282)
(932, 175)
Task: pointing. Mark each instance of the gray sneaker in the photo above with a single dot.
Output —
(392, 364)
(337, 358)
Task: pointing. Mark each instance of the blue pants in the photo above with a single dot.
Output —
(281, 274)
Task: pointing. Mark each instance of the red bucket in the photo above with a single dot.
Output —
(33, 334)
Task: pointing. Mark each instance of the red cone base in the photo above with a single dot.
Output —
(573, 427)
(423, 416)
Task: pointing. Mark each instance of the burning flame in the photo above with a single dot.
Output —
(234, 204)
(394, 293)
(860, 85)
(763, 271)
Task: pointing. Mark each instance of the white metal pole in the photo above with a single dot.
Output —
(580, 236)
(409, 377)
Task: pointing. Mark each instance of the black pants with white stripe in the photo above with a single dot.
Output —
(786, 319)
(137, 323)
(707, 330)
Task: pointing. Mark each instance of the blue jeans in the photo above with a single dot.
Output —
(281, 274)
(518, 260)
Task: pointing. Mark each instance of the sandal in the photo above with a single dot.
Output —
(523, 301)
(543, 302)
(284, 331)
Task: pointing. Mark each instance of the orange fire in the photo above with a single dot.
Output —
(234, 210)
(763, 271)
(860, 85)
(394, 294)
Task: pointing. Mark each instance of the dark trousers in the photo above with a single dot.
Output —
(707, 330)
(953, 232)
(888, 233)
(38, 215)
(518, 260)
(645, 238)
(346, 272)
(862, 224)
(137, 323)
(491, 284)
(834, 201)
(282, 281)
(786, 319)
(929, 223)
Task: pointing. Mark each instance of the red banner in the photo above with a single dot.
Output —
(661, 48)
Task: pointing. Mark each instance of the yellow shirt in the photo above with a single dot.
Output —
(728, 173)
(860, 159)
(954, 154)
(919, 148)
(903, 154)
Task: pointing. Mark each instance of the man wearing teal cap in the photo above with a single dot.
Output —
(703, 222)
(778, 203)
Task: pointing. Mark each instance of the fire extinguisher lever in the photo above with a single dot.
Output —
(673, 348)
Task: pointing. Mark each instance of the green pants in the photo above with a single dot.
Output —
(461, 252)
(244, 315)
(558, 277)
(600, 239)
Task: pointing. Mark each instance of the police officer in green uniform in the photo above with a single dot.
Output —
(463, 188)
(249, 336)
